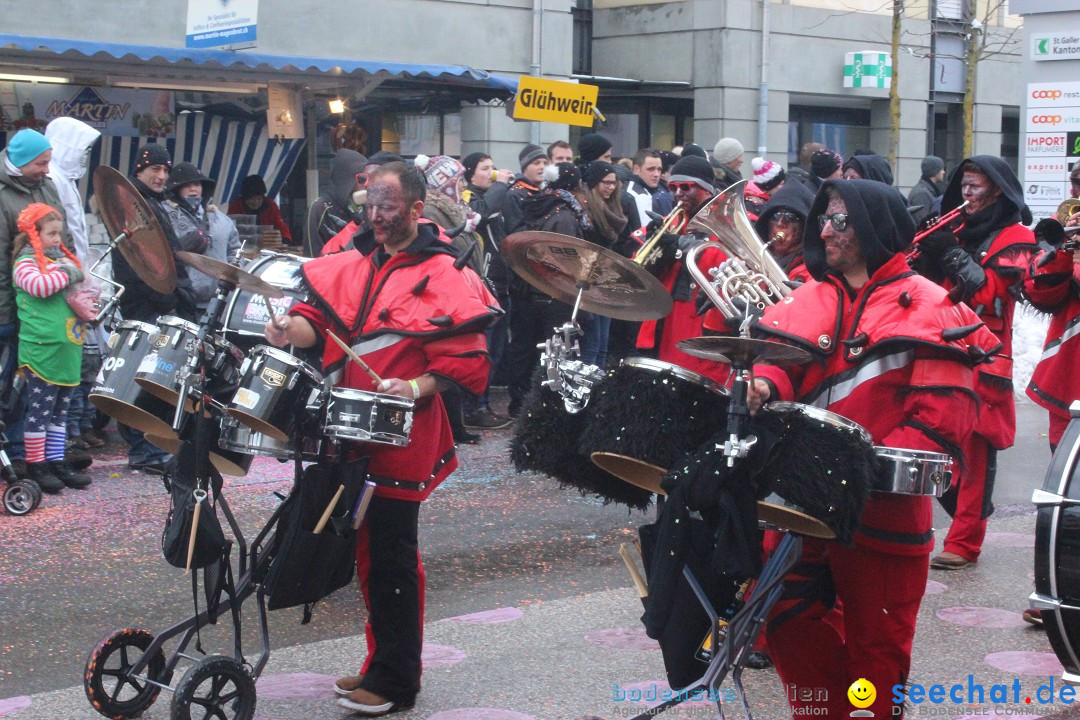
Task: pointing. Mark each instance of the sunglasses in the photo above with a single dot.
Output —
(785, 216)
(839, 221)
(683, 186)
(1075, 181)
(361, 179)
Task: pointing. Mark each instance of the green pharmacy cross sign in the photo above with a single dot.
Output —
(867, 69)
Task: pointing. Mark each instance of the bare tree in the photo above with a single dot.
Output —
(894, 85)
(984, 39)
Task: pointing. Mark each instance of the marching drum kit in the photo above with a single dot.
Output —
(263, 400)
(617, 434)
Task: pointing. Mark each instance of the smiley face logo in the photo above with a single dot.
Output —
(862, 693)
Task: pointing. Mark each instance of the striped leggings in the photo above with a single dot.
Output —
(46, 417)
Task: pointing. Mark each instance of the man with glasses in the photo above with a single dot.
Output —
(691, 182)
(893, 353)
(985, 263)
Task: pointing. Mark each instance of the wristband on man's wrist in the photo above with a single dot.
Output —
(415, 389)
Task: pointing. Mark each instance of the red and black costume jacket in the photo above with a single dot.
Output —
(897, 357)
(1005, 257)
(406, 315)
(683, 321)
(1055, 288)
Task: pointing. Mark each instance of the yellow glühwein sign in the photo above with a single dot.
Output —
(555, 101)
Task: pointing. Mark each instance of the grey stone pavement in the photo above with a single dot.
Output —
(563, 657)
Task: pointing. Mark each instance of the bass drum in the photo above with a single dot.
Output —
(245, 314)
(1057, 551)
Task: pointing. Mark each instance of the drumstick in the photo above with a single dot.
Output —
(635, 574)
(273, 317)
(191, 540)
(356, 358)
(329, 509)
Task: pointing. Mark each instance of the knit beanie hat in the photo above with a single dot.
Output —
(693, 149)
(825, 162)
(597, 171)
(726, 150)
(530, 153)
(470, 161)
(564, 176)
(251, 186)
(384, 158)
(186, 173)
(932, 165)
(441, 172)
(152, 154)
(25, 146)
(667, 159)
(592, 146)
(767, 174)
(693, 169)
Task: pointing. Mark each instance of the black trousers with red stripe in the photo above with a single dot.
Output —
(392, 579)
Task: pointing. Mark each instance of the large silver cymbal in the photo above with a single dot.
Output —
(613, 286)
(742, 351)
(239, 279)
(125, 212)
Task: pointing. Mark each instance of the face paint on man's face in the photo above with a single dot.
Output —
(388, 212)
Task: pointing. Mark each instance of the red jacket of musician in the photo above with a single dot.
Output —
(896, 356)
(1055, 288)
(406, 315)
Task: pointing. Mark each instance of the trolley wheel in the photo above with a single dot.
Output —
(219, 685)
(106, 681)
(21, 497)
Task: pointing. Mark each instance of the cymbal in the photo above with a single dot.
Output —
(125, 212)
(743, 352)
(614, 286)
(239, 279)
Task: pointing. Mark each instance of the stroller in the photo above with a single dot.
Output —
(303, 553)
(21, 495)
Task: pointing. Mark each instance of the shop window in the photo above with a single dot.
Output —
(842, 130)
(663, 131)
(582, 14)
(414, 134)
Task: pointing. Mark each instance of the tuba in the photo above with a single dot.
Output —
(751, 273)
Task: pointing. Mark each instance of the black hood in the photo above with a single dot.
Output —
(343, 170)
(879, 215)
(793, 196)
(1000, 174)
(871, 167)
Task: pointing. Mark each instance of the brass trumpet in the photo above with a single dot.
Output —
(649, 252)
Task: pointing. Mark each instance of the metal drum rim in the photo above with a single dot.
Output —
(826, 416)
(371, 394)
(288, 359)
(898, 453)
(659, 366)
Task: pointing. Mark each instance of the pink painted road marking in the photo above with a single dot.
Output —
(478, 714)
(489, 617)
(434, 656)
(981, 617)
(1023, 662)
(622, 639)
(13, 704)
(933, 587)
(295, 686)
(1009, 539)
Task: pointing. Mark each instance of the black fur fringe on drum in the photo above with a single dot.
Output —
(651, 416)
(825, 470)
(546, 439)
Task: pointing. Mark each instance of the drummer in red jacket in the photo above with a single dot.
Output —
(891, 352)
(418, 320)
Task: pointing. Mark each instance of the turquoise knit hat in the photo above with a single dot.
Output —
(26, 145)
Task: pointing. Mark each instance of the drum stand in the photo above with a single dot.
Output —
(745, 625)
(566, 374)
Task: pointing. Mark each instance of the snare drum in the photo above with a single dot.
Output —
(913, 472)
(277, 394)
(362, 416)
(646, 414)
(245, 314)
(1057, 552)
(819, 473)
(174, 345)
(118, 395)
(240, 439)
